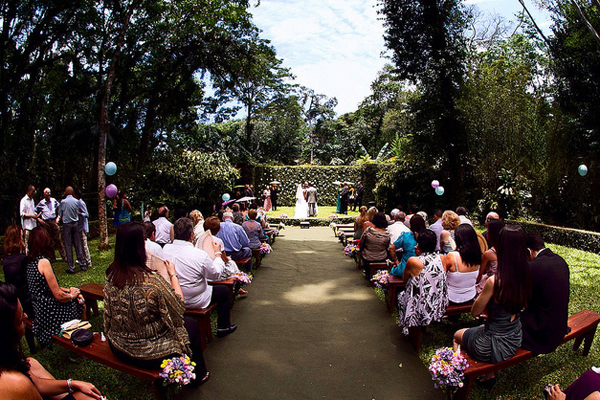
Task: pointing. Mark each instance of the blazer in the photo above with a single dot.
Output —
(545, 318)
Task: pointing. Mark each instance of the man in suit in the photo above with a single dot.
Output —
(344, 196)
(545, 318)
(274, 193)
(311, 199)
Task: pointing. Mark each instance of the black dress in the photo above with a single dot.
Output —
(15, 273)
(50, 314)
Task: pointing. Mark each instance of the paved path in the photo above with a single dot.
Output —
(311, 328)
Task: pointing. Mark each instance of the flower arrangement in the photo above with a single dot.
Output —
(242, 277)
(178, 371)
(275, 232)
(381, 279)
(283, 216)
(332, 216)
(265, 248)
(350, 250)
(447, 368)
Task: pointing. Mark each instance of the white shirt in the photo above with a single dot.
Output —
(154, 248)
(27, 207)
(194, 267)
(396, 229)
(465, 220)
(163, 230)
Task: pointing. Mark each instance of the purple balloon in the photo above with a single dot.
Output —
(111, 191)
(435, 184)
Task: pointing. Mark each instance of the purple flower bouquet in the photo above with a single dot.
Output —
(447, 368)
(178, 371)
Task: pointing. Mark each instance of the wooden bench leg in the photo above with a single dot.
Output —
(588, 339)
(414, 335)
(463, 393)
(91, 304)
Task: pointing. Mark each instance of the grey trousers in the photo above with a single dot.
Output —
(71, 236)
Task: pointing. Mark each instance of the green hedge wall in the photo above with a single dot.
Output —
(320, 176)
(575, 238)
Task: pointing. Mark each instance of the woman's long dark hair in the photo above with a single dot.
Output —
(494, 228)
(512, 286)
(467, 244)
(129, 266)
(11, 353)
(39, 243)
(417, 224)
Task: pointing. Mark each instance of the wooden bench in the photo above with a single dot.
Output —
(257, 257)
(100, 352)
(583, 328)
(92, 293)
(395, 284)
(202, 317)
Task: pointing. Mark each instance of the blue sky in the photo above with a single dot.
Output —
(335, 46)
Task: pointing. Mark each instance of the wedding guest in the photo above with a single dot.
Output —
(274, 196)
(149, 244)
(397, 228)
(198, 221)
(25, 378)
(143, 313)
(413, 209)
(586, 387)
(437, 226)
(358, 224)
(338, 207)
(375, 244)
(83, 229)
(148, 214)
(462, 266)
(425, 298)
(407, 243)
(238, 216)
(462, 215)
(69, 214)
(235, 240)
(489, 217)
(504, 296)
(194, 268)
(53, 305)
(267, 195)
(351, 197)
(125, 209)
(47, 209)
(545, 320)
(15, 266)
(450, 221)
(358, 195)
(489, 260)
(254, 230)
(164, 231)
(28, 215)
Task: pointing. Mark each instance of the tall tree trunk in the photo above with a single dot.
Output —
(105, 129)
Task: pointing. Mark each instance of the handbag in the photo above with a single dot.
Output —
(82, 337)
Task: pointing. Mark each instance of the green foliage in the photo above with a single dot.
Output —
(187, 179)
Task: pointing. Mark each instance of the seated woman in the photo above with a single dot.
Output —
(53, 305)
(254, 230)
(425, 298)
(198, 220)
(15, 266)
(25, 378)
(504, 296)
(450, 221)
(586, 387)
(489, 261)
(375, 244)
(358, 224)
(143, 314)
(407, 243)
(462, 266)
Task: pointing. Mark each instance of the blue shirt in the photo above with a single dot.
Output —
(82, 225)
(68, 210)
(47, 208)
(407, 242)
(233, 236)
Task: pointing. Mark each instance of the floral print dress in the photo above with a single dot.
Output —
(426, 295)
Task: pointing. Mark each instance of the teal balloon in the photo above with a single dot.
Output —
(582, 170)
(110, 168)
(226, 196)
(439, 190)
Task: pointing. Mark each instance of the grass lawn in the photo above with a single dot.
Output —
(524, 381)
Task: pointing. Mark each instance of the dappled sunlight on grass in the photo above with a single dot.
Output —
(324, 292)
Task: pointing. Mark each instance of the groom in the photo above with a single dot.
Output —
(311, 199)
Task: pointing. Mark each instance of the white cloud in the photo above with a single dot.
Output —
(332, 47)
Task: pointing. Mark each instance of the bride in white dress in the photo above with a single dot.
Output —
(301, 204)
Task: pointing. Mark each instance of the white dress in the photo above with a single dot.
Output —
(301, 204)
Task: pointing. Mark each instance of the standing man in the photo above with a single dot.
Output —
(545, 318)
(274, 192)
(28, 214)
(358, 196)
(437, 226)
(48, 208)
(164, 227)
(69, 210)
(83, 228)
(311, 199)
